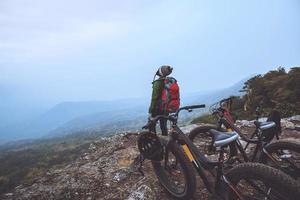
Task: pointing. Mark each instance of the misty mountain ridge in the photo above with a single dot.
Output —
(104, 116)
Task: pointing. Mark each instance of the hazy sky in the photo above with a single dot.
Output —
(54, 50)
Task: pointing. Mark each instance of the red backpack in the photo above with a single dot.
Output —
(170, 95)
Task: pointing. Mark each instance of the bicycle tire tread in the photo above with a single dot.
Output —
(188, 171)
(282, 182)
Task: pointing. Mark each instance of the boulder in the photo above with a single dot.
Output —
(143, 192)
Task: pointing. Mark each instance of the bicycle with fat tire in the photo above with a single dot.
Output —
(179, 159)
(281, 154)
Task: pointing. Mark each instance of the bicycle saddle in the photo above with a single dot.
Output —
(265, 125)
(221, 138)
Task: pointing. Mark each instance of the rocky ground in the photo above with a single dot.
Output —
(109, 171)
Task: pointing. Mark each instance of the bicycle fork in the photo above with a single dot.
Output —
(188, 153)
(197, 165)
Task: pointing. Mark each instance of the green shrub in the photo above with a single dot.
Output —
(206, 118)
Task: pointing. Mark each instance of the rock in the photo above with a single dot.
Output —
(142, 193)
(244, 143)
(86, 157)
(126, 157)
(108, 171)
(241, 123)
(296, 118)
(188, 128)
(120, 175)
(92, 147)
(287, 124)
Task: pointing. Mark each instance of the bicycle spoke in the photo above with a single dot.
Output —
(174, 173)
(288, 162)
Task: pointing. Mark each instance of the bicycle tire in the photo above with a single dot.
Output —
(188, 171)
(281, 183)
(198, 130)
(203, 132)
(279, 146)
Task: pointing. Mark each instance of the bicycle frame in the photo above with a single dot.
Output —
(189, 150)
(259, 148)
(198, 160)
(258, 142)
(201, 163)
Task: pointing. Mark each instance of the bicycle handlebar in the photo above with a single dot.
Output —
(172, 117)
(226, 99)
(189, 108)
(217, 107)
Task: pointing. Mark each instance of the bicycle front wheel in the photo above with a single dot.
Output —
(258, 181)
(175, 172)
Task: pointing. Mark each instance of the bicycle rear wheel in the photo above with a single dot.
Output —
(175, 172)
(258, 181)
(203, 140)
(284, 155)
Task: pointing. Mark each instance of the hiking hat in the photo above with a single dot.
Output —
(164, 70)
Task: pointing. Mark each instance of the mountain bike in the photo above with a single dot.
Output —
(179, 160)
(281, 154)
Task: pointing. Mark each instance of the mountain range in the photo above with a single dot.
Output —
(108, 116)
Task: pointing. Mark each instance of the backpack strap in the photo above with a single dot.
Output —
(171, 78)
(160, 78)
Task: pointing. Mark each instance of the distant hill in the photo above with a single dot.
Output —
(212, 96)
(107, 122)
(128, 118)
(63, 113)
(209, 98)
(108, 116)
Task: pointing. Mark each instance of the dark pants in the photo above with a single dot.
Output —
(163, 127)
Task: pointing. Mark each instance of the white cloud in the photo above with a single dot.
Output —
(58, 43)
(36, 30)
